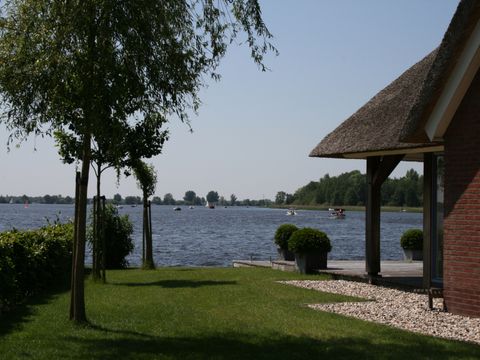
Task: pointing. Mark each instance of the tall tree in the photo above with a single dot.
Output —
(147, 181)
(233, 200)
(168, 199)
(130, 142)
(189, 197)
(212, 196)
(91, 67)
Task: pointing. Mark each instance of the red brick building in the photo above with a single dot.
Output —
(431, 113)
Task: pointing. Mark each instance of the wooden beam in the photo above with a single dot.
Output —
(378, 169)
(386, 166)
(427, 218)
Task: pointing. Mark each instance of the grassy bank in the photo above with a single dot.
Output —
(208, 314)
(348, 208)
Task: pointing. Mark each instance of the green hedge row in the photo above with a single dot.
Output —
(32, 261)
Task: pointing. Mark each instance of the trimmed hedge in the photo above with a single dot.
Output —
(32, 261)
(308, 240)
(282, 235)
(412, 239)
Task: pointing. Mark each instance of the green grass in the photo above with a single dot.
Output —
(176, 313)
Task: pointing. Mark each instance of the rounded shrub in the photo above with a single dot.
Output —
(412, 239)
(118, 238)
(308, 240)
(282, 235)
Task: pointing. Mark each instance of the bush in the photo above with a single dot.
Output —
(282, 235)
(412, 239)
(32, 261)
(118, 238)
(309, 240)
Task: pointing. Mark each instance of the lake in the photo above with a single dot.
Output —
(215, 237)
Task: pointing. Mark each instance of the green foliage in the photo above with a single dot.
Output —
(190, 197)
(212, 196)
(350, 189)
(146, 177)
(412, 239)
(168, 199)
(118, 238)
(309, 240)
(283, 233)
(32, 261)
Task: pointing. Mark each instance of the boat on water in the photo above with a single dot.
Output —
(337, 213)
(191, 207)
(291, 212)
(178, 208)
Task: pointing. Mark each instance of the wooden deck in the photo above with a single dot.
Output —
(401, 273)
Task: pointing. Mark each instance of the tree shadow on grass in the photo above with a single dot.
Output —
(22, 313)
(238, 345)
(174, 284)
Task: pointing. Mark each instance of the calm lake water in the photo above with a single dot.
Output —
(215, 237)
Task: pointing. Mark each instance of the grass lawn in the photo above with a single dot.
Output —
(184, 313)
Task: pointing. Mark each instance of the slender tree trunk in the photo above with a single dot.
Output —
(148, 264)
(79, 314)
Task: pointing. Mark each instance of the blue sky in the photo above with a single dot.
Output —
(254, 131)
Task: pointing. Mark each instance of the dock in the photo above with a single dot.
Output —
(393, 273)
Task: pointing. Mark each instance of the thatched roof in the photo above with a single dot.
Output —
(376, 125)
(463, 22)
(393, 121)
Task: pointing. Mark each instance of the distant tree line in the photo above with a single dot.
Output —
(350, 189)
(46, 199)
(190, 198)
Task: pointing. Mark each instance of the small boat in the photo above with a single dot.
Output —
(337, 213)
(177, 208)
(291, 212)
(119, 207)
(191, 207)
(134, 205)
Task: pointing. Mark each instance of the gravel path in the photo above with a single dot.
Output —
(396, 308)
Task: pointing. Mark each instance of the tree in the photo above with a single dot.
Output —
(212, 196)
(157, 200)
(97, 68)
(147, 181)
(280, 197)
(233, 200)
(168, 199)
(117, 199)
(189, 197)
(132, 200)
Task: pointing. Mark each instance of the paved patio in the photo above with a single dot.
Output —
(405, 274)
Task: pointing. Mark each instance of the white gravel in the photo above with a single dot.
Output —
(404, 310)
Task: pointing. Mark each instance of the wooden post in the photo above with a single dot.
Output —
(372, 226)
(75, 224)
(150, 221)
(95, 239)
(104, 242)
(378, 170)
(427, 218)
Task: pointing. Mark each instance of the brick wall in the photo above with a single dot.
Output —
(462, 207)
